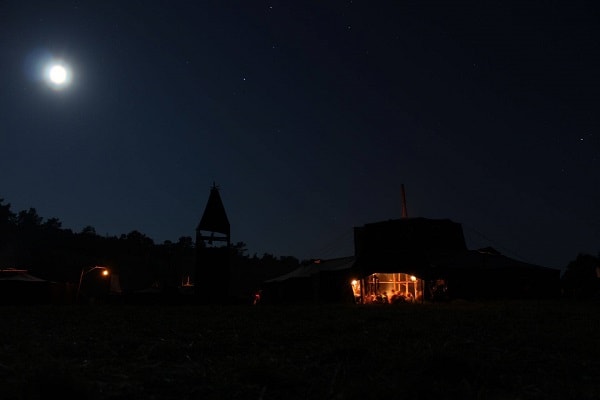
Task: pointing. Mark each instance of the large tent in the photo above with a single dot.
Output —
(414, 259)
(432, 254)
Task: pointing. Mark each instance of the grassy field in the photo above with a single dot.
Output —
(512, 350)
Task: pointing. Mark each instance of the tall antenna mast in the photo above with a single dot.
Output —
(404, 211)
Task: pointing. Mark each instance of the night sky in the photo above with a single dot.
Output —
(309, 116)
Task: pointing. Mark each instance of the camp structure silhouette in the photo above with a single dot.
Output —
(213, 252)
(417, 259)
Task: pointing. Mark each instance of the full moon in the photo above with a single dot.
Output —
(58, 74)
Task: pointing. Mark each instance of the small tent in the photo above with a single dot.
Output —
(17, 286)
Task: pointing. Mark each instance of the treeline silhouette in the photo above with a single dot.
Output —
(581, 279)
(45, 249)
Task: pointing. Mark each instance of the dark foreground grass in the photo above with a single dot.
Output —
(515, 350)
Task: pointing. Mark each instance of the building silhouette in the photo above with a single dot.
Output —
(213, 252)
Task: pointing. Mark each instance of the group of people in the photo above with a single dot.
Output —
(394, 298)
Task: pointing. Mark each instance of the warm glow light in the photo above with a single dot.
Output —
(413, 278)
(354, 282)
(105, 272)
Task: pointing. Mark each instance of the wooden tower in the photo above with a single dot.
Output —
(213, 252)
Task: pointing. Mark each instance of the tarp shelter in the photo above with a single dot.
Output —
(17, 286)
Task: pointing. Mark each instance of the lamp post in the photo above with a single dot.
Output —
(84, 271)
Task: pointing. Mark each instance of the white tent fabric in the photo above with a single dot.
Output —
(12, 274)
(306, 271)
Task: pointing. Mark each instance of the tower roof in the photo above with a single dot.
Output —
(214, 218)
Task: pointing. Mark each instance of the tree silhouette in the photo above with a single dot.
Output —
(29, 219)
(581, 279)
(49, 251)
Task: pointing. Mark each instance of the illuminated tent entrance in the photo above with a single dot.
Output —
(388, 288)
(400, 258)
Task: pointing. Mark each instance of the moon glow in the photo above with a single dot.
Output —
(58, 74)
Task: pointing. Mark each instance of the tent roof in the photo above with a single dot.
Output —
(487, 258)
(315, 267)
(12, 274)
(407, 244)
(409, 235)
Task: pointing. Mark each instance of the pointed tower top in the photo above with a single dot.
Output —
(214, 218)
